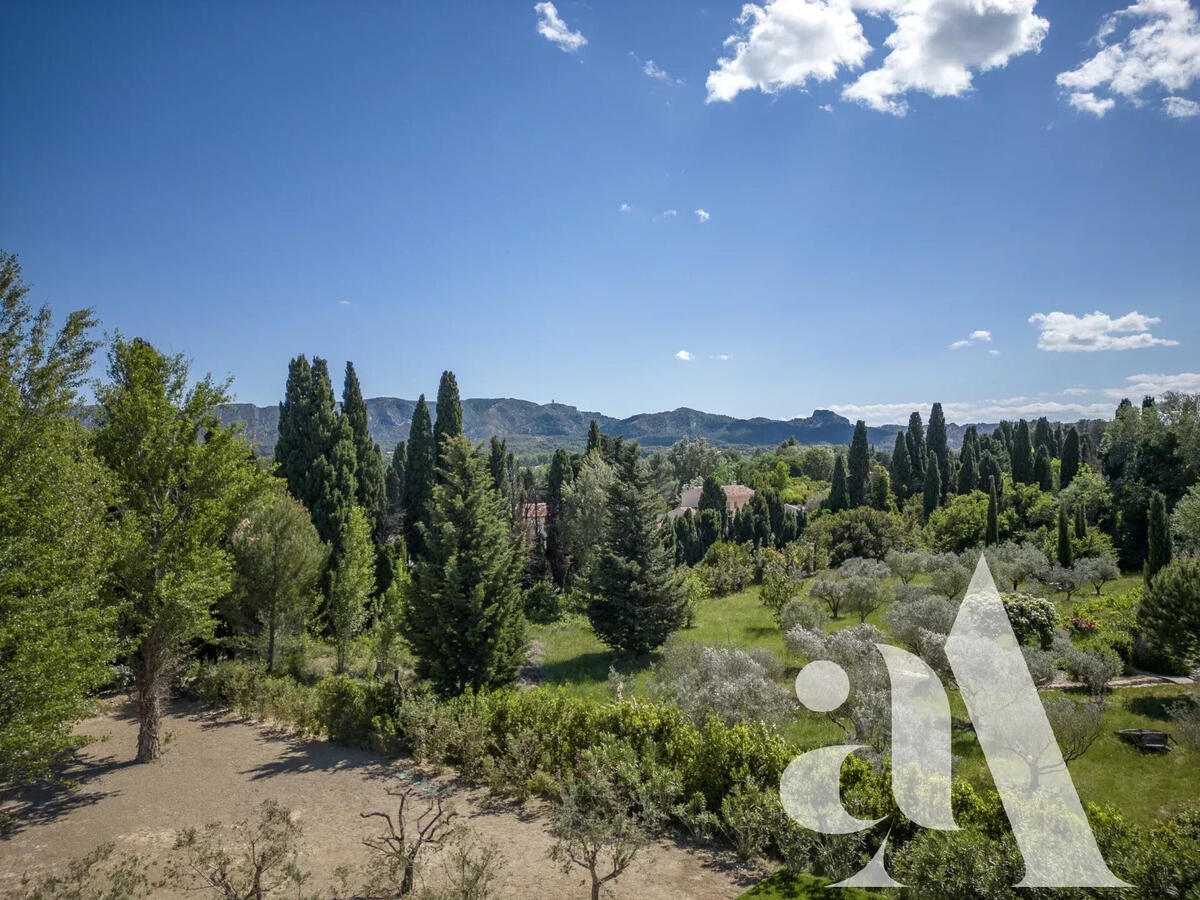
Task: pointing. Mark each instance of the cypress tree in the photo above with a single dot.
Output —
(1058, 440)
(1086, 453)
(419, 477)
(449, 412)
(498, 463)
(989, 472)
(932, 494)
(561, 475)
(593, 439)
(712, 496)
(1043, 473)
(968, 473)
(858, 465)
(992, 537)
(393, 518)
(839, 497)
(1169, 614)
(1043, 436)
(1066, 555)
(916, 453)
(370, 477)
(1022, 455)
(1069, 467)
(1159, 534)
(937, 444)
(334, 473)
(880, 489)
(465, 620)
(297, 446)
(1080, 522)
(637, 597)
(901, 468)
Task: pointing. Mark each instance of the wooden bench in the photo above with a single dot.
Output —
(1146, 740)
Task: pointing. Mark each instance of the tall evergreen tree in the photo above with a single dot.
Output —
(370, 480)
(1069, 466)
(352, 582)
(560, 477)
(1080, 522)
(937, 444)
(1169, 614)
(465, 620)
(839, 496)
(449, 412)
(184, 481)
(932, 495)
(989, 471)
(1021, 455)
(420, 462)
(915, 435)
(1086, 453)
(593, 438)
(1043, 436)
(498, 464)
(1043, 472)
(992, 535)
(1159, 533)
(712, 496)
(637, 597)
(1066, 553)
(968, 473)
(394, 494)
(858, 465)
(901, 468)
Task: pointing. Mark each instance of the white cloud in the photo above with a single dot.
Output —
(1160, 51)
(555, 30)
(938, 45)
(1180, 107)
(1064, 332)
(977, 336)
(826, 107)
(993, 353)
(684, 356)
(666, 214)
(784, 44)
(1086, 101)
(625, 207)
(652, 69)
(1140, 385)
(343, 303)
(724, 357)
(702, 216)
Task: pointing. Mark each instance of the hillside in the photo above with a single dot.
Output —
(530, 427)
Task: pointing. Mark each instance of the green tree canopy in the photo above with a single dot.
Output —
(449, 411)
(858, 465)
(351, 583)
(418, 477)
(370, 481)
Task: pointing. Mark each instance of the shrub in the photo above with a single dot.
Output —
(931, 613)
(906, 564)
(1185, 716)
(752, 816)
(1032, 618)
(1042, 664)
(543, 602)
(949, 574)
(726, 568)
(804, 614)
(1014, 564)
(720, 681)
(1095, 668)
(777, 589)
(867, 713)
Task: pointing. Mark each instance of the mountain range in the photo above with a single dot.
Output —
(540, 427)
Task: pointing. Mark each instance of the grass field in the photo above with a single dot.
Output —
(1142, 786)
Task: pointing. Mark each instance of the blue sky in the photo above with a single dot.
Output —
(512, 193)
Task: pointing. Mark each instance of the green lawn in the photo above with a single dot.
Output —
(785, 885)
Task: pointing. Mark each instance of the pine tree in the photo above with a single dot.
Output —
(593, 439)
(560, 476)
(370, 479)
(351, 583)
(421, 459)
(937, 444)
(901, 468)
(858, 465)
(992, 536)
(1066, 554)
(1022, 455)
(637, 597)
(839, 497)
(1169, 614)
(932, 495)
(968, 474)
(449, 412)
(1069, 466)
(1043, 472)
(465, 620)
(1159, 534)
(915, 436)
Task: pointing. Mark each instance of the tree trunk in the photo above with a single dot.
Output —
(595, 889)
(148, 698)
(271, 642)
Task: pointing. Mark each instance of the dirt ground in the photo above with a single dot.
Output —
(219, 768)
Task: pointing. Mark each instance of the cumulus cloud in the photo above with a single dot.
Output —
(786, 43)
(1180, 107)
(653, 70)
(702, 216)
(975, 337)
(684, 356)
(1149, 45)
(826, 107)
(1065, 332)
(936, 47)
(625, 207)
(555, 30)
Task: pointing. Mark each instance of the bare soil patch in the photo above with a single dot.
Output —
(220, 768)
